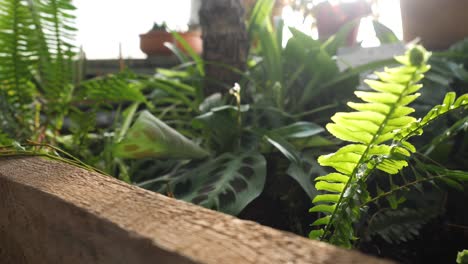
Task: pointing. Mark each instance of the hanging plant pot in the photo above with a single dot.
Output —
(193, 39)
(152, 43)
(438, 23)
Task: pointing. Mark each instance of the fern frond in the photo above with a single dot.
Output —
(372, 124)
(460, 125)
(54, 21)
(16, 56)
(420, 173)
(450, 103)
(110, 89)
(401, 225)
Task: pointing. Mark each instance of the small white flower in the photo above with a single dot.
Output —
(235, 89)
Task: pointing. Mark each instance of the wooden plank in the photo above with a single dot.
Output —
(52, 212)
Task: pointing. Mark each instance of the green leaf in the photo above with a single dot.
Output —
(304, 173)
(259, 27)
(330, 187)
(451, 103)
(338, 40)
(260, 14)
(403, 224)
(150, 137)
(462, 257)
(179, 53)
(334, 177)
(316, 234)
(221, 126)
(334, 198)
(453, 184)
(322, 208)
(284, 147)
(210, 102)
(198, 60)
(5, 140)
(348, 135)
(384, 34)
(322, 221)
(298, 130)
(368, 128)
(318, 65)
(227, 183)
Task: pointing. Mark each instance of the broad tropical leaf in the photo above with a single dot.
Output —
(150, 137)
(227, 183)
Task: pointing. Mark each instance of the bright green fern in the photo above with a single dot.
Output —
(372, 124)
(379, 130)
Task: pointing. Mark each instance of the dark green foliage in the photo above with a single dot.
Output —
(109, 89)
(16, 56)
(462, 257)
(221, 127)
(55, 20)
(160, 133)
(402, 225)
(5, 140)
(35, 60)
(159, 27)
(226, 183)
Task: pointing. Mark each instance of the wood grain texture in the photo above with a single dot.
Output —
(51, 212)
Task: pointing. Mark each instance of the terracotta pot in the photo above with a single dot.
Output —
(330, 18)
(439, 23)
(152, 43)
(194, 39)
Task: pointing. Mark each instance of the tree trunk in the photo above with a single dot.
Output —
(225, 43)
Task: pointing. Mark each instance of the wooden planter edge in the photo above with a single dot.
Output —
(51, 212)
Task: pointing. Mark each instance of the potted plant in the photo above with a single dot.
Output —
(193, 39)
(152, 42)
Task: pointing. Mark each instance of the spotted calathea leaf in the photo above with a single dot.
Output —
(227, 183)
(150, 137)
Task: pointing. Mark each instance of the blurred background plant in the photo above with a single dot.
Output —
(248, 149)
